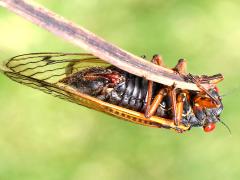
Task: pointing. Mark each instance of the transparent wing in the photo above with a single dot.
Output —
(51, 67)
(43, 70)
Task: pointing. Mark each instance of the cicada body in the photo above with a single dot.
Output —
(89, 81)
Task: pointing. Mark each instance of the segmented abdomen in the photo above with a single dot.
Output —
(132, 94)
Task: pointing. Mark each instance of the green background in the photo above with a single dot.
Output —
(42, 137)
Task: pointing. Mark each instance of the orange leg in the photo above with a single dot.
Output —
(181, 67)
(149, 98)
(151, 108)
(179, 107)
(156, 101)
(157, 59)
(173, 94)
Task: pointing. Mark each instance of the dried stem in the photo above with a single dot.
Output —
(94, 44)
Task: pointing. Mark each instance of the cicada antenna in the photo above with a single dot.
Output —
(226, 126)
(223, 123)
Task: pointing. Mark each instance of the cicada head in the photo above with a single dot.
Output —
(206, 110)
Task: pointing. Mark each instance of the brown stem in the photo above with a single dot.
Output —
(94, 44)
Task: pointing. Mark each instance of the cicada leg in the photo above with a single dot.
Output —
(172, 93)
(181, 67)
(156, 101)
(177, 102)
(179, 107)
(157, 59)
(151, 108)
(149, 98)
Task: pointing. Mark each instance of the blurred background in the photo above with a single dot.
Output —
(42, 137)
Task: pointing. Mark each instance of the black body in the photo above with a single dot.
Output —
(121, 88)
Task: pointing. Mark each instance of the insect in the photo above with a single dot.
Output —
(89, 81)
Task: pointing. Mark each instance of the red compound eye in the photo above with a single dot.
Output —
(216, 89)
(209, 127)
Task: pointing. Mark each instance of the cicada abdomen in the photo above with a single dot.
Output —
(89, 81)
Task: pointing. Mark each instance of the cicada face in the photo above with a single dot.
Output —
(87, 80)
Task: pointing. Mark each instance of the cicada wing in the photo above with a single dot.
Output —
(43, 70)
(39, 84)
(51, 67)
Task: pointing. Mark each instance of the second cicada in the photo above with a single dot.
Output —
(89, 81)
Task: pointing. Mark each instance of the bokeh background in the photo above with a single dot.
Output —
(44, 138)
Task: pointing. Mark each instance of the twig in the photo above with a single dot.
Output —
(94, 44)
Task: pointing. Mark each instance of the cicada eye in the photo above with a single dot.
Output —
(209, 127)
(216, 89)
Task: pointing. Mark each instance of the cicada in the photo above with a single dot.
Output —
(89, 81)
